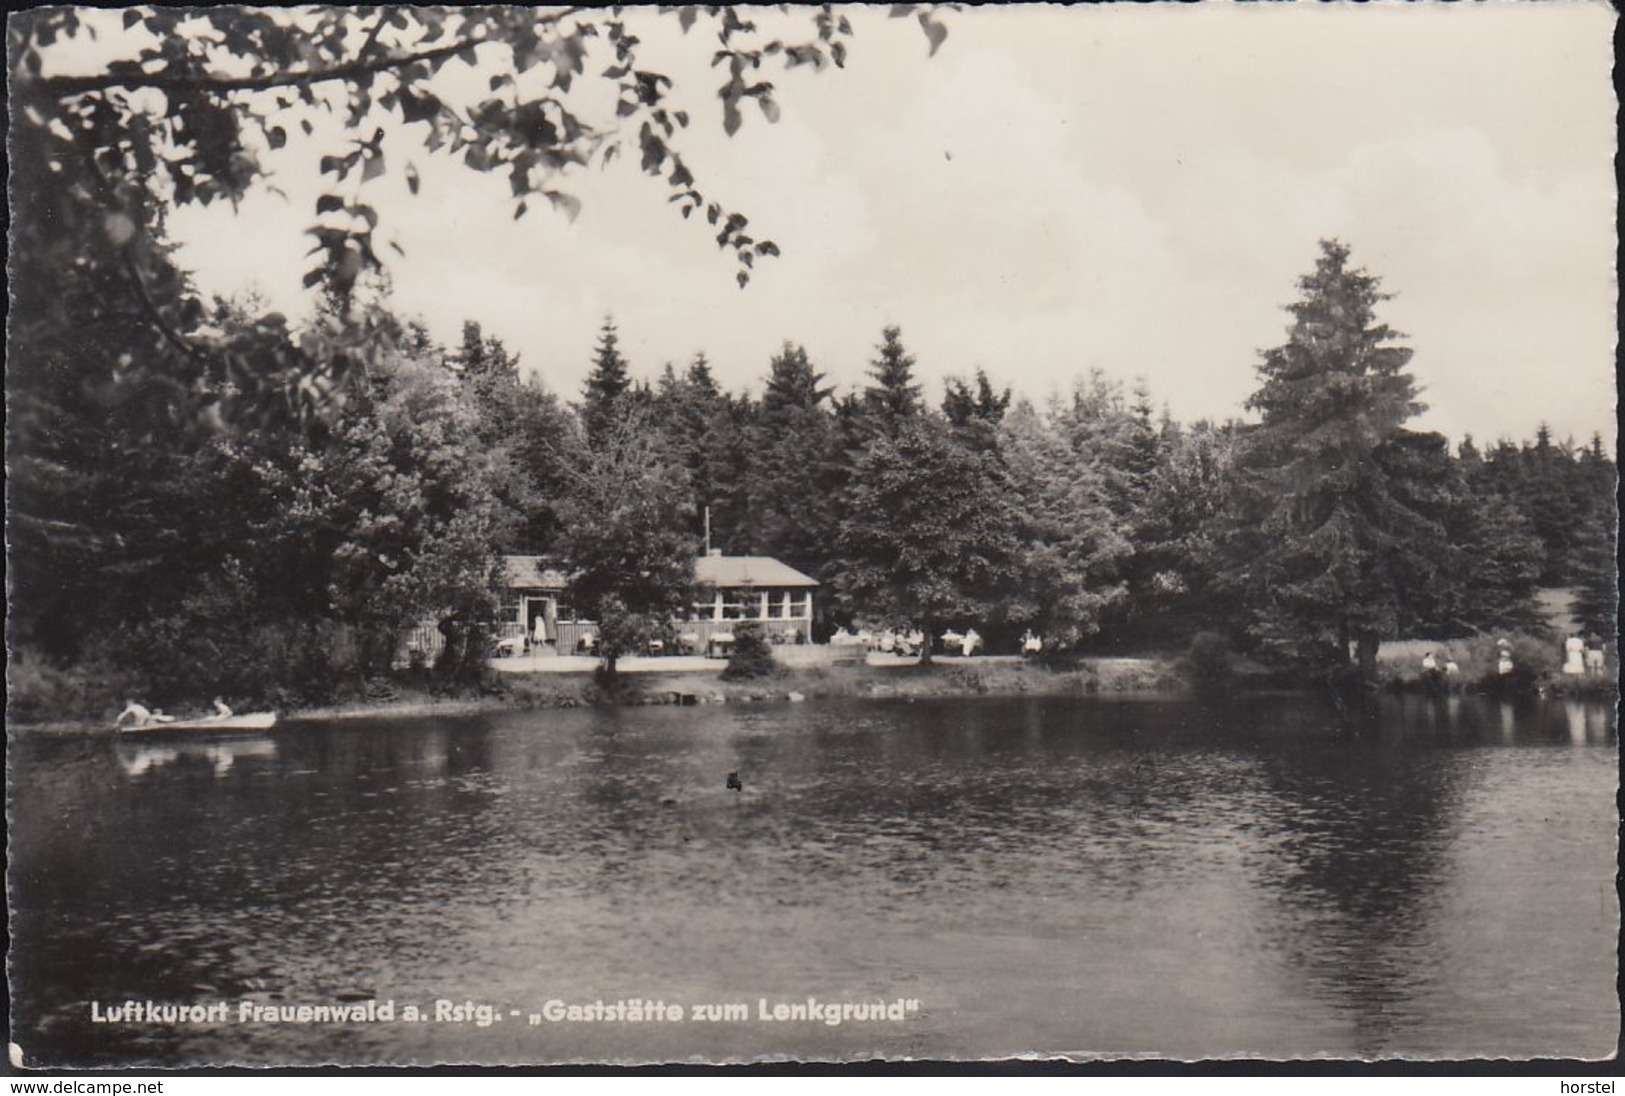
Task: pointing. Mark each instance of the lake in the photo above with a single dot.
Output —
(975, 877)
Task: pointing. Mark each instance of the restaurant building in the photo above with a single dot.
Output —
(727, 589)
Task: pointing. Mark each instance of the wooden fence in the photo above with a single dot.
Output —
(424, 642)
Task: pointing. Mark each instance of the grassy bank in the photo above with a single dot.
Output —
(519, 691)
(1537, 662)
(955, 677)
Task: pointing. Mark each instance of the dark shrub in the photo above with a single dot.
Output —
(175, 661)
(1210, 664)
(752, 657)
(40, 690)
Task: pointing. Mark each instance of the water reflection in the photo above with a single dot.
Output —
(1361, 841)
(1053, 875)
(137, 758)
(1588, 723)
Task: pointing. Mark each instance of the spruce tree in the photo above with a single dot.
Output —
(607, 385)
(1331, 543)
(891, 396)
(975, 416)
(1071, 545)
(1596, 562)
(790, 480)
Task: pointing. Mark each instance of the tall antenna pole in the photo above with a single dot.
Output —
(707, 530)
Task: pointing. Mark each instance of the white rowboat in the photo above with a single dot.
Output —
(248, 721)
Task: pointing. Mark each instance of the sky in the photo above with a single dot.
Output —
(1134, 188)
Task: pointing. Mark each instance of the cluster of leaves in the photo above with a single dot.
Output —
(259, 565)
(196, 97)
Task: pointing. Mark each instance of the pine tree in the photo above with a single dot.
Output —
(891, 396)
(1596, 557)
(790, 480)
(607, 385)
(521, 427)
(1330, 544)
(1072, 546)
(1099, 421)
(975, 416)
(1176, 560)
(726, 459)
(1550, 503)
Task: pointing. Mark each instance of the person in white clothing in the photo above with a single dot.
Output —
(140, 716)
(1574, 653)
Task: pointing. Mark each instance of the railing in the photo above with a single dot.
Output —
(693, 636)
(423, 640)
(426, 639)
(777, 632)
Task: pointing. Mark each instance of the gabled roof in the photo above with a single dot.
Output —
(758, 571)
(533, 571)
(728, 572)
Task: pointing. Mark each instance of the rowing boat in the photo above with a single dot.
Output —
(248, 721)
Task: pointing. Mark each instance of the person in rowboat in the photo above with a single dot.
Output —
(220, 709)
(140, 716)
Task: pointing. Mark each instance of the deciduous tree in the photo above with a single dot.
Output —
(928, 535)
(623, 533)
(1072, 546)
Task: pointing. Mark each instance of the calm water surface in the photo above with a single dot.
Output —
(1087, 877)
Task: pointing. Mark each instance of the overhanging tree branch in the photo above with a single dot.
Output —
(62, 87)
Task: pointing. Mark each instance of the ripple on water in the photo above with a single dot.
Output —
(1046, 875)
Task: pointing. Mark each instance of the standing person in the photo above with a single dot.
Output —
(1574, 656)
(1595, 656)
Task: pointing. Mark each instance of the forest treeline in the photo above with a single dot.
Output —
(286, 561)
(206, 498)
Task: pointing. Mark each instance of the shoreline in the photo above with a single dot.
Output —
(510, 689)
(519, 691)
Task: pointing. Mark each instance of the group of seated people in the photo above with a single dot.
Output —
(139, 715)
(965, 643)
(690, 643)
